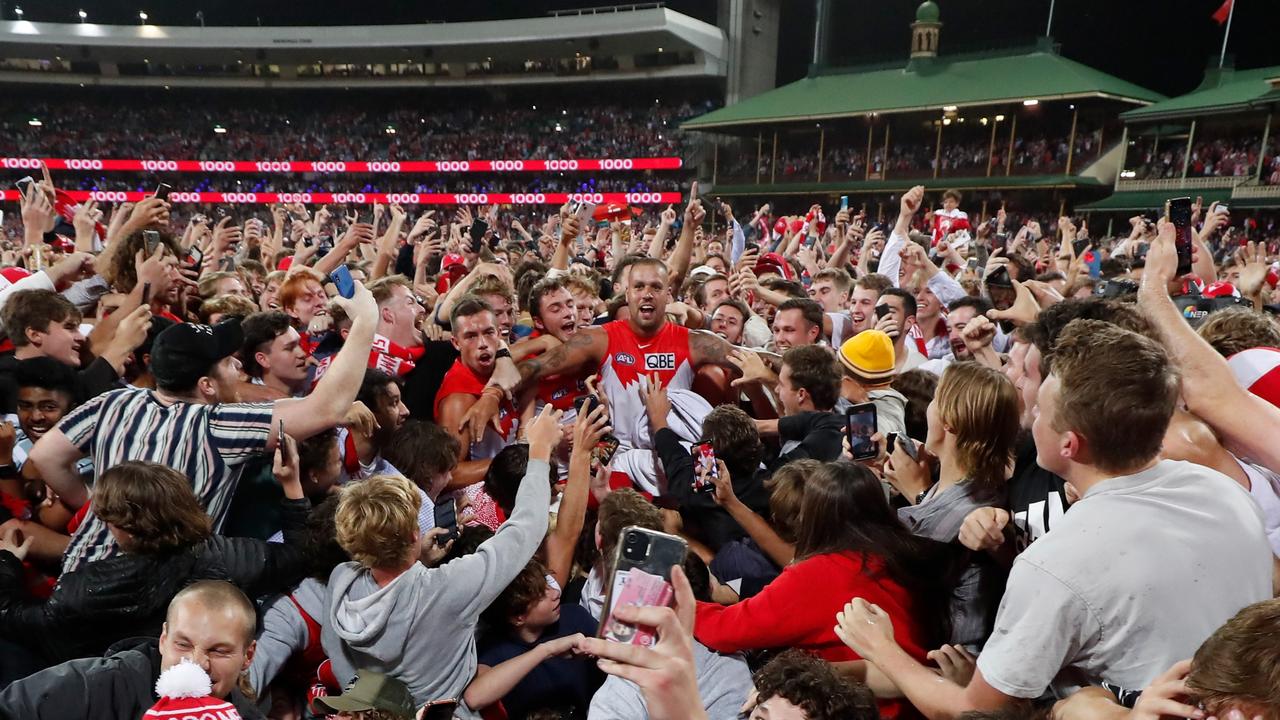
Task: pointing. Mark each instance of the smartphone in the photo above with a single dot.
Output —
(585, 404)
(586, 212)
(24, 185)
(194, 257)
(641, 576)
(342, 279)
(844, 202)
(1222, 209)
(162, 191)
(606, 447)
(284, 446)
(1078, 246)
(438, 710)
(908, 446)
(1000, 278)
(704, 461)
(882, 310)
(146, 293)
(860, 424)
(973, 263)
(478, 229)
(152, 239)
(446, 516)
(1180, 216)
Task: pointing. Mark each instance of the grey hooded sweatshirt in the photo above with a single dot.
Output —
(421, 627)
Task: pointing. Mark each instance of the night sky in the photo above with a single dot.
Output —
(1161, 44)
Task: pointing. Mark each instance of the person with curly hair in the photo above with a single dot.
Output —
(799, 686)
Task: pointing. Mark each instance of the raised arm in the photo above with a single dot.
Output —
(890, 261)
(668, 219)
(1248, 424)
(562, 541)
(476, 579)
(331, 398)
(693, 215)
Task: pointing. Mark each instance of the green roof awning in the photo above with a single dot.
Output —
(1023, 182)
(961, 80)
(1143, 200)
(1223, 91)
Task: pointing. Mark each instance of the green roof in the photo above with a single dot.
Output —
(1142, 200)
(928, 12)
(1222, 91)
(959, 80)
(1025, 182)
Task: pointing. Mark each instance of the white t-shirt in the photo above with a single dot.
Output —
(1131, 580)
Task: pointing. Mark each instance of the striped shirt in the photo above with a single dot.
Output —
(207, 443)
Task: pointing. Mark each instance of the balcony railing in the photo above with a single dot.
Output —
(1193, 183)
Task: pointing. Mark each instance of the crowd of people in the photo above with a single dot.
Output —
(352, 126)
(1153, 158)
(382, 465)
(844, 160)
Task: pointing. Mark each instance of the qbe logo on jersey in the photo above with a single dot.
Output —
(660, 361)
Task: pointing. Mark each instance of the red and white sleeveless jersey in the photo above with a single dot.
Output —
(664, 356)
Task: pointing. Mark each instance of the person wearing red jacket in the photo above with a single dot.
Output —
(849, 544)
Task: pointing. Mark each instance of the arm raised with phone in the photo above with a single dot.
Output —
(332, 397)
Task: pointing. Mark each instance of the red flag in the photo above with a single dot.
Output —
(1221, 14)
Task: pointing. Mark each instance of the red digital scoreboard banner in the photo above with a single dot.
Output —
(345, 166)
(363, 198)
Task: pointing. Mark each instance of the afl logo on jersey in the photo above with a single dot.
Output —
(624, 359)
(660, 361)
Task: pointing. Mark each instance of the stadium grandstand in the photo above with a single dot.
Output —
(681, 360)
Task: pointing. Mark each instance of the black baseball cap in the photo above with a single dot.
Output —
(186, 352)
(371, 691)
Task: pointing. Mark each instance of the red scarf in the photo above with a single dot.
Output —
(384, 355)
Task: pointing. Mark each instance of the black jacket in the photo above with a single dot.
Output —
(96, 378)
(127, 595)
(701, 516)
(820, 434)
(120, 686)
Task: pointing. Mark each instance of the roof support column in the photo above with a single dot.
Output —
(1071, 142)
(866, 175)
(759, 154)
(1186, 158)
(715, 158)
(884, 160)
(991, 149)
(822, 144)
(1124, 155)
(1013, 129)
(773, 164)
(937, 151)
(1262, 149)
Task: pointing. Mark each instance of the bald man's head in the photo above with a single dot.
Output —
(211, 623)
(218, 595)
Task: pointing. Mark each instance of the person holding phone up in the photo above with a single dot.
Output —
(973, 427)
(386, 609)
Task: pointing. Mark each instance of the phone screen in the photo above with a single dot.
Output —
(162, 191)
(446, 516)
(1078, 247)
(704, 464)
(194, 257)
(860, 424)
(603, 452)
(1180, 216)
(478, 229)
